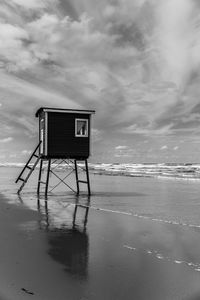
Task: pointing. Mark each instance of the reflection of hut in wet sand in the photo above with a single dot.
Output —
(68, 241)
(70, 248)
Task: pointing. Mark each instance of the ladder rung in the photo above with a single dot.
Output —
(21, 179)
(40, 181)
(28, 167)
(35, 155)
(82, 181)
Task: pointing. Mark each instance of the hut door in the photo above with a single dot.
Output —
(42, 141)
(42, 136)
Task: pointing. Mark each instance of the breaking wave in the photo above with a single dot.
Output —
(162, 170)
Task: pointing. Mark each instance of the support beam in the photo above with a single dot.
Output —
(87, 176)
(39, 177)
(76, 173)
(70, 164)
(47, 178)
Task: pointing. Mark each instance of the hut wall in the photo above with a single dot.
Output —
(61, 139)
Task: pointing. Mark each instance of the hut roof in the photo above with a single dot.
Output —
(63, 110)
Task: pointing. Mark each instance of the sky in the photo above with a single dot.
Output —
(136, 62)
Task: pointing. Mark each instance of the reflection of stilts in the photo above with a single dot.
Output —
(85, 216)
(79, 209)
(46, 214)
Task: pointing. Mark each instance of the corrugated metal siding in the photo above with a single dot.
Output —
(61, 136)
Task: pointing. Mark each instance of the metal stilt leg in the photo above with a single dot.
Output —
(39, 177)
(87, 176)
(47, 178)
(76, 173)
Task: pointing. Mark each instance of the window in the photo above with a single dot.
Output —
(81, 127)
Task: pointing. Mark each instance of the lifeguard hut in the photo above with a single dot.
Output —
(64, 136)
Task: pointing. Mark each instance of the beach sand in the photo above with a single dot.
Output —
(134, 238)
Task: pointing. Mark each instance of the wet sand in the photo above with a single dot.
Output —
(134, 238)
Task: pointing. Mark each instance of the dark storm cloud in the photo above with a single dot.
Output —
(67, 9)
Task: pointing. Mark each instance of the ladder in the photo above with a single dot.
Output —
(29, 167)
(78, 181)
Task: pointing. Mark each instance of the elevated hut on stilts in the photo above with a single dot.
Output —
(64, 138)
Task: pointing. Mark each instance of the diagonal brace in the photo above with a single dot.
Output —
(62, 180)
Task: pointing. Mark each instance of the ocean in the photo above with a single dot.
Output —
(189, 171)
(164, 170)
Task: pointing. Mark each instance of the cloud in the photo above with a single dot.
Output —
(177, 39)
(96, 135)
(12, 51)
(25, 152)
(32, 4)
(121, 147)
(124, 151)
(69, 43)
(6, 140)
(20, 100)
(109, 59)
(164, 147)
(149, 130)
